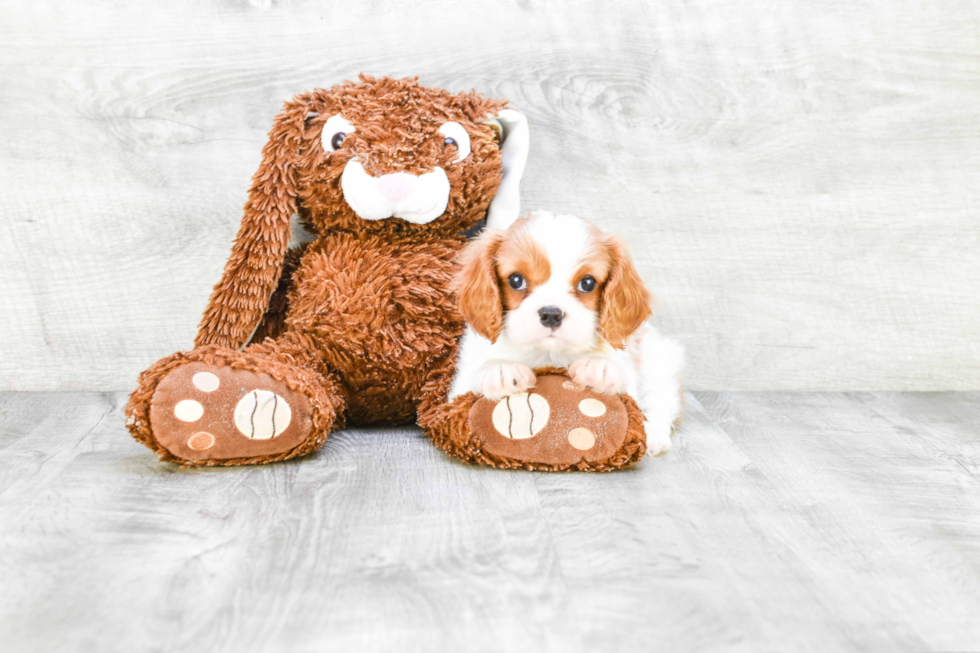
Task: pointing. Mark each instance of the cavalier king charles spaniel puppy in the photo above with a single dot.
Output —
(553, 290)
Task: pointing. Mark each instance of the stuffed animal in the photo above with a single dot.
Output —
(359, 326)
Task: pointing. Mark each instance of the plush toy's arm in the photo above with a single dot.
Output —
(274, 321)
(241, 298)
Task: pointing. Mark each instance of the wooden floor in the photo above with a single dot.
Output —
(779, 522)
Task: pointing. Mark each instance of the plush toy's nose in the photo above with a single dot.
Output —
(396, 186)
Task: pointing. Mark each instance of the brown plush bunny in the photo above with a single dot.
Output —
(359, 325)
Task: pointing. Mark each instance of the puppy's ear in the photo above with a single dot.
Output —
(625, 303)
(252, 272)
(476, 286)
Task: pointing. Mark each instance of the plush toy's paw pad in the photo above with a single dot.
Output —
(559, 424)
(256, 414)
(209, 412)
(521, 416)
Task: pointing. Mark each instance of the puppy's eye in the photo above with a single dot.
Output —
(336, 129)
(586, 284)
(517, 282)
(456, 136)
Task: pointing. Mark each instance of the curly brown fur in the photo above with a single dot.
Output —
(274, 321)
(374, 308)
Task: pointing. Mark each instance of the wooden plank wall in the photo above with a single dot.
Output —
(800, 180)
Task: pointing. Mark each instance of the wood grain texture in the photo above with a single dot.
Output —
(799, 181)
(778, 522)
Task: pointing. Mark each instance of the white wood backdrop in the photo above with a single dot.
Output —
(800, 180)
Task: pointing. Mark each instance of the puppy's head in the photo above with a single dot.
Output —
(551, 282)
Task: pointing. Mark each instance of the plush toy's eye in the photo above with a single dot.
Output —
(456, 136)
(517, 282)
(335, 131)
(586, 284)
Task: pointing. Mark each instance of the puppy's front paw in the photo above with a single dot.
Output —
(658, 438)
(600, 374)
(499, 380)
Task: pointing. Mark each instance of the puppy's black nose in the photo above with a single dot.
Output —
(551, 316)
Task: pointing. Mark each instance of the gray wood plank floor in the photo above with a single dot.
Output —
(779, 522)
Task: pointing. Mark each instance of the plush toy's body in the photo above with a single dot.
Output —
(359, 325)
(371, 309)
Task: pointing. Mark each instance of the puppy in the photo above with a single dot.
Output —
(553, 290)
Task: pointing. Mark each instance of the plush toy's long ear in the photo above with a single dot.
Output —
(625, 298)
(241, 298)
(514, 146)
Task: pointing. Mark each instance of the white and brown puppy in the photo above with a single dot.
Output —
(553, 290)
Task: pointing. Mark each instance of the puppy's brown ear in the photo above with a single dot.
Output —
(625, 303)
(241, 298)
(476, 286)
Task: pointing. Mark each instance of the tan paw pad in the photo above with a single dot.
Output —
(188, 410)
(581, 438)
(592, 407)
(206, 381)
(261, 415)
(521, 416)
(201, 441)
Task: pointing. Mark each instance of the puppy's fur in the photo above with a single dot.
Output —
(603, 336)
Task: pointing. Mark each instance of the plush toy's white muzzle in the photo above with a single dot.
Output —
(415, 198)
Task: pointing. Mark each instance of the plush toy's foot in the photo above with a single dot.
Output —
(556, 426)
(202, 411)
(207, 407)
